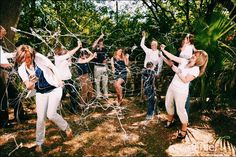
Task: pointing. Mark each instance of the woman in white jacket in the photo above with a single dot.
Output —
(38, 72)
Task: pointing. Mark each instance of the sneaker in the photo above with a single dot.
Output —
(149, 117)
(7, 125)
(38, 149)
(69, 133)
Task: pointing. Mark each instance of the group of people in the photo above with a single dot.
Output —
(191, 64)
(50, 80)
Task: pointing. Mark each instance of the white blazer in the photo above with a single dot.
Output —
(49, 70)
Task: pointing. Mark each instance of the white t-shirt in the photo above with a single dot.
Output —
(62, 64)
(5, 56)
(177, 82)
(152, 56)
(187, 51)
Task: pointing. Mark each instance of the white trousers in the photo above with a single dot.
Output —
(179, 98)
(100, 72)
(46, 106)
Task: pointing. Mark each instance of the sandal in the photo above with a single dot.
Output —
(38, 149)
(169, 124)
(181, 136)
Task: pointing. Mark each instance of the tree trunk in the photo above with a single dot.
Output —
(9, 17)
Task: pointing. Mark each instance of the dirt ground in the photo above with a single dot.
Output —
(103, 129)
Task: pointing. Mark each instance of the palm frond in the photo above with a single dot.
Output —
(223, 145)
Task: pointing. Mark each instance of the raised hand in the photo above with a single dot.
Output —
(79, 44)
(144, 34)
(162, 47)
(101, 36)
(95, 55)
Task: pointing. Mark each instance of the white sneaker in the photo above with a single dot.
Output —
(149, 117)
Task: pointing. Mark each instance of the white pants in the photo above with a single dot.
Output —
(100, 72)
(179, 97)
(46, 106)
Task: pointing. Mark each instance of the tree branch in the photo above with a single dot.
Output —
(150, 7)
(166, 11)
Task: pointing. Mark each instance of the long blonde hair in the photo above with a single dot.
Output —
(22, 50)
(202, 60)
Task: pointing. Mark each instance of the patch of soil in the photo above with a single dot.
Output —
(105, 129)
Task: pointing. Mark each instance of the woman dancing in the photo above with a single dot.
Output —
(38, 72)
(118, 63)
(178, 89)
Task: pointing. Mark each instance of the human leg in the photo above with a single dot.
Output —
(187, 104)
(180, 99)
(15, 102)
(70, 87)
(150, 101)
(169, 103)
(53, 103)
(97, 76)
(4, 115)
(83, 89)
(105, 82)
(119, 89)
(41, 110)
(91, 93)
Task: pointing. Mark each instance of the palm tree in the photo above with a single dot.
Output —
(222, 57)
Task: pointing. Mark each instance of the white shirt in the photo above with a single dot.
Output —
(187, 51)
(62, 64)
(177, 82)
(152, 56)
(49, 70)
(4, 56)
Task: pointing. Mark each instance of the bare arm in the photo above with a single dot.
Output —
(91, 56)
(73, 51)
(126, 59)
(171, 56)
(194, 49)
(184, 79)
(142, 44)
(112, 65)
(96, 41)
(168, 62)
